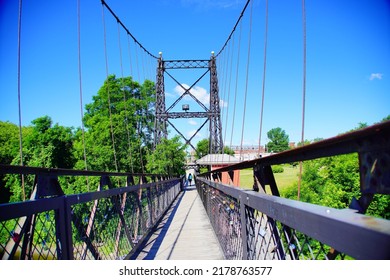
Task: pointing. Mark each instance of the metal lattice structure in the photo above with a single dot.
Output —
(211, 112)
(107, 224)
(264, 226)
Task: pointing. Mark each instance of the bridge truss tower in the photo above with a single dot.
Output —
(211, 113)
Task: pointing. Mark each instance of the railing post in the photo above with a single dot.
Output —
(63, 218)
(48, 185)
(244, 231)
(138, 216)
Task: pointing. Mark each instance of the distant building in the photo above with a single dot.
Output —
(216, 161)
(248, 152)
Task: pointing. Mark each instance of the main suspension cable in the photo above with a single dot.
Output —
(127, 30)
(234, 28)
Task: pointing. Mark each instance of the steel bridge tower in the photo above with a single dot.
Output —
(212, 113)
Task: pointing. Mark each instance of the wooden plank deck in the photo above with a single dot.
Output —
(185, 233)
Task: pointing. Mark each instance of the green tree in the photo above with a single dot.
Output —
(278, 140)
(118, 126)
(167, 158)
(386, 119)
(227, 150)
(9, 148)
(202, 148)
(334, 182)
(48, 145)
(44, 145)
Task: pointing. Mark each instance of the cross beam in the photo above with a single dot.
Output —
(211, 113)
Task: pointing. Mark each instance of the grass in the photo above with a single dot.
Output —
(285, 179)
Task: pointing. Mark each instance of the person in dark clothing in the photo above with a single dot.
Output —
(190, 178)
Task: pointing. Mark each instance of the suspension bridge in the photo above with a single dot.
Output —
(134, 216)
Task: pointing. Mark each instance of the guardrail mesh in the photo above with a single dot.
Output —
(107, 224)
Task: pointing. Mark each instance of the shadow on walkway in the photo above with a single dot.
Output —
(183, 233)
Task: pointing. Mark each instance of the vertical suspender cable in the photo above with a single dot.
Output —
(108, 91)
(136, 58)
(246, 81)
(303, 93)
(124, 99)
(264, 73)
(81, 85)
(222, 81)
(235, 91)
(80, 80)
(230, 56)
(139, 122)
(128, 48)
(19, 97)
(143, 66)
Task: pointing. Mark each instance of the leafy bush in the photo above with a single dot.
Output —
(277, 169)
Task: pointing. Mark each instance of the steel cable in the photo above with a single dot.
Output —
(264, 73)
(127, 30)
(246, 79)
(19, 96)
(303, 93)
(125, 100)
(236, 86)
(234, 28)
(81, 87)
(108, 91)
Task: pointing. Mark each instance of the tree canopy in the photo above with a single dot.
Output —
(118, 136)
(119, 124)
(279, 140)
(334, 182)
(167, 158)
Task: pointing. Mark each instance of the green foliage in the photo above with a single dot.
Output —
(44, 145)
(168, 157)
(227, 150)
(277, 169)
(48, 145)
(121, 131)
(279, 140)
(202, 148)
(385, 119)
(9, 139)
(334, 182)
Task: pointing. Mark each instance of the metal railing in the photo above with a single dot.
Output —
(256, 225)
(107, 224)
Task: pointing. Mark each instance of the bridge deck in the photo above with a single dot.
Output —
(185, 233)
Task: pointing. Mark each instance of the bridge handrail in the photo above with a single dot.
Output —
(354, 234)
(347, 231)
(29, 170)
(373, 138)
(24, 208)
(104, 224)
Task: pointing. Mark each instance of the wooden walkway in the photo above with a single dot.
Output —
(185, 233)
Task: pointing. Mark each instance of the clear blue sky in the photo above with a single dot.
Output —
(348, 59)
